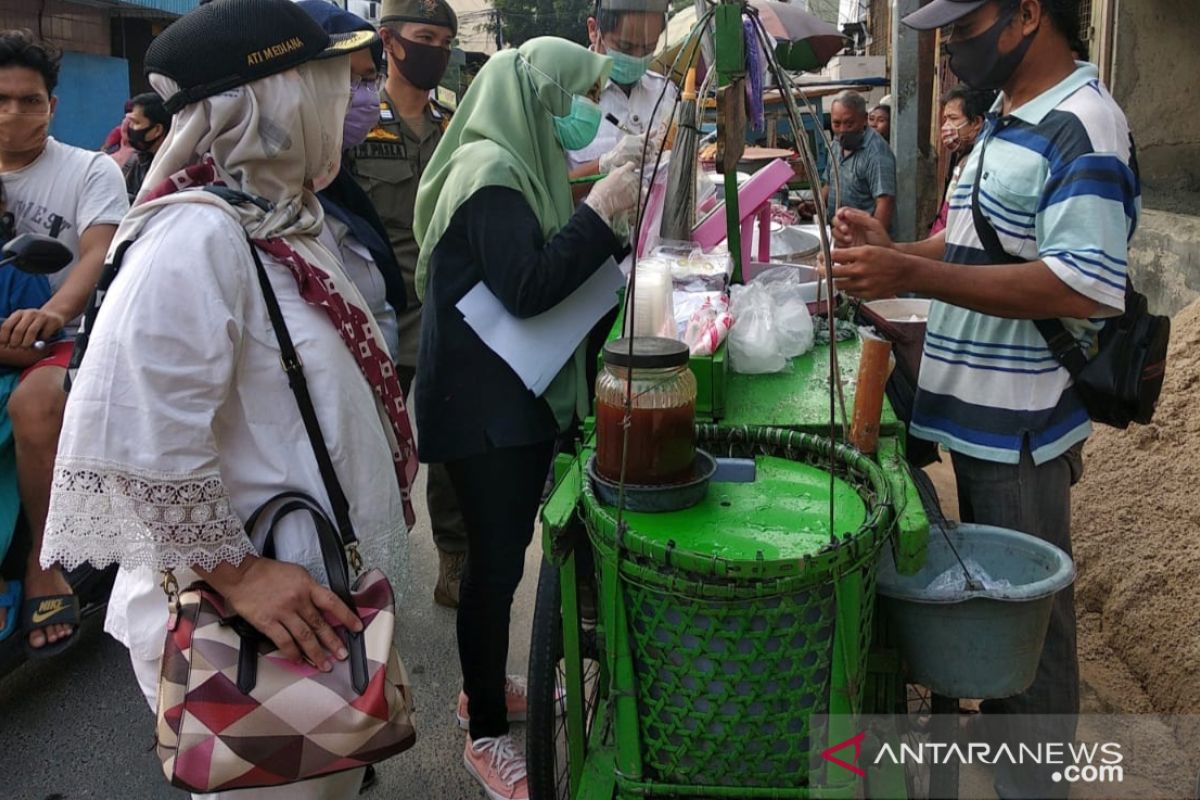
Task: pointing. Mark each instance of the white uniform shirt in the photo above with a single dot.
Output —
(633, 110)
(359, 266)
(180, 423)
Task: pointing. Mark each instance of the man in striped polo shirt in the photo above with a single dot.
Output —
(1058, 182)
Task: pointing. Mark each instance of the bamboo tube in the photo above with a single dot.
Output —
(874, 367)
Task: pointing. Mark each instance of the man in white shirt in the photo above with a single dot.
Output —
(77, 196)
(628, 32)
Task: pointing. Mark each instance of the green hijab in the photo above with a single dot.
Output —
(503, 135)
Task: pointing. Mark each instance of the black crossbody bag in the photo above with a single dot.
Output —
(1122, 381)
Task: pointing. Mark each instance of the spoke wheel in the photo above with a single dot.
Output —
(548, 754)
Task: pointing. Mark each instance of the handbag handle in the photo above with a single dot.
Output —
(335, 569)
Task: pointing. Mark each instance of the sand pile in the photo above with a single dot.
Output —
(1137, 543)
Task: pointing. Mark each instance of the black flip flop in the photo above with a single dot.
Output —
(42, 612)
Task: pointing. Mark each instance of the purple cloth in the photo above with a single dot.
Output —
(755, 66)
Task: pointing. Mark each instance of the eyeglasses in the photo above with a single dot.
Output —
(375, 81)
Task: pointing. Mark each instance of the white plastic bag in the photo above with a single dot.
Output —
(953, 581)
(754, 345)
(792, 320)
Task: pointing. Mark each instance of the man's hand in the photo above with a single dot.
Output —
(285, 604)
(23, 328)
(854, 228)
(871, 272)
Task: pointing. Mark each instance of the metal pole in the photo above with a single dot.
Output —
(906, 131)
(706, 41)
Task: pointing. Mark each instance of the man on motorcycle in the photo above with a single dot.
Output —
(77, 196)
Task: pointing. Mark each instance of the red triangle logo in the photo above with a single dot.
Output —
(852, 766)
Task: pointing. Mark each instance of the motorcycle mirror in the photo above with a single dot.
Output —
(36, 254)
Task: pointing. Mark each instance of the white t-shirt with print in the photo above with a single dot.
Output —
(80, 187)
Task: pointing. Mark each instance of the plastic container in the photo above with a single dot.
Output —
(662, 434)
(982, 644)
(902, 322)
(653, 310)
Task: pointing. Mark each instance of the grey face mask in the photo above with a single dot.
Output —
(852, 140)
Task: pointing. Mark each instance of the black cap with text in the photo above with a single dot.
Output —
(227, 43)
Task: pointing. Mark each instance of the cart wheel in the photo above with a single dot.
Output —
(547, 753)
(927, 715)
(915, 714)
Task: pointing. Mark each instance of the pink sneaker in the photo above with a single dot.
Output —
(516, 699)
(498, 767)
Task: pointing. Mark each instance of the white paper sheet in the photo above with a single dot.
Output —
(538, 347)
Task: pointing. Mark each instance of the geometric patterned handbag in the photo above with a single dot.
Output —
(232, 712)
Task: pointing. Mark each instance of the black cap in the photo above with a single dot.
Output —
(228, 43)
(649, 352)
(942, 12)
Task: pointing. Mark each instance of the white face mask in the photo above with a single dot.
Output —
(952, 136)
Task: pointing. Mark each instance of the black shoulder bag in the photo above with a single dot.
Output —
(1122, 381)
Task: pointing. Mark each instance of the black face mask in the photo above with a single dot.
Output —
(138, 141)
(852, 140)
(978, 62)
(423, 65)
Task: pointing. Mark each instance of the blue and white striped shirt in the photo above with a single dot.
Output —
(1060, 185)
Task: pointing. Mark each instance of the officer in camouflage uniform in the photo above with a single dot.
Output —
(416, 36)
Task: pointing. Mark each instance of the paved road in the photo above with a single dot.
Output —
(77, 727)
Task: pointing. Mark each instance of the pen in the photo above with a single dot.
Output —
(618, 125)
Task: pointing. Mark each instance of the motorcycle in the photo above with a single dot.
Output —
(43, 255)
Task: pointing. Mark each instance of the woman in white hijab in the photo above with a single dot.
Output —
(180, 421)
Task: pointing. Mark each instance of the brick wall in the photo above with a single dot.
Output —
(68, 25)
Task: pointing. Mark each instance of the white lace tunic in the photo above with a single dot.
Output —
(181, 423)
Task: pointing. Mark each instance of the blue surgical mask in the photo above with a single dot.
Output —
(626, 69)
(579, 128)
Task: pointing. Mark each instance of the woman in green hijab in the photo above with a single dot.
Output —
(494, 206)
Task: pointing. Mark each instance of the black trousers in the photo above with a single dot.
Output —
(499, 493)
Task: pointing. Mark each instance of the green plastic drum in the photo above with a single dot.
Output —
(743, 615)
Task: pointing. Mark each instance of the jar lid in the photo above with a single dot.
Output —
(649, 352)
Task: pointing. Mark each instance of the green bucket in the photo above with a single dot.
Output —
(743, 617)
